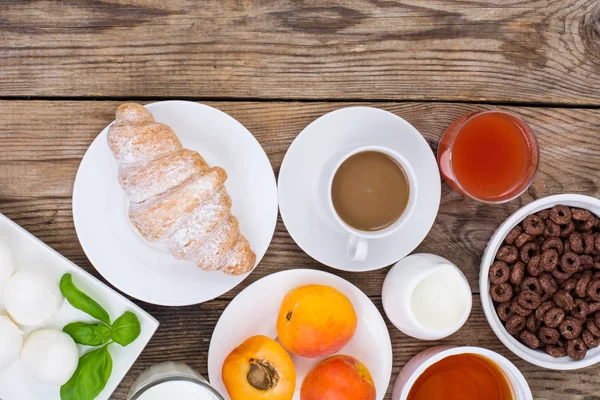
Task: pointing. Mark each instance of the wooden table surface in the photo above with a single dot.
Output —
(276, 65)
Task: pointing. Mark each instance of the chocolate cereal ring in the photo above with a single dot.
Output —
(508, 254)
(590, 340)
(587, 225)
(548, 283)
(522, 239)
(528, 250)
(533, 225)
(501, 293)
(504, 311)
(519, 309)
(593, 307)
(564, 300)
(517, 272)
(529, 339)
(513, 234)
(580, 310)
(570, 328)
(534, 266)
(582, 284)
(567, 229)
(532, 283)
(597, 242)
(549, 259)
(576, 242)
(597, 319)
(529, 300)
(533, 324)
(569, 284)
(554, 317)
(548, 335)
(560, 275)
(544, 214)
(579, 214)
(499, 272)
(552, 229)
(560, 214)
(553, 243)
(576, 349)
(515, 324)
(588, 243)
(570, 263)
(542, 309)
(593, 290)
(558, 350)
(591, 326)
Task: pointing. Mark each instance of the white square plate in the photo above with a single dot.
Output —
(29, 251)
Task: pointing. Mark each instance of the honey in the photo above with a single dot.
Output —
(462, 377)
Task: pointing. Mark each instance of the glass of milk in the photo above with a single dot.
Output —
(171, 380)
(426, 296)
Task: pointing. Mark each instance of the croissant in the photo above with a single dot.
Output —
(175, 198)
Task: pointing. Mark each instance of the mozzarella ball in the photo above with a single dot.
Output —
(50, 356)
(31, 297)
(11, 341)
(7, 264)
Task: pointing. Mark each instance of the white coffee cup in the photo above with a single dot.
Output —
(358, 247)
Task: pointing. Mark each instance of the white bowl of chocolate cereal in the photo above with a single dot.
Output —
(540, 282)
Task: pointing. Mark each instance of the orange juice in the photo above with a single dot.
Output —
(490, 156)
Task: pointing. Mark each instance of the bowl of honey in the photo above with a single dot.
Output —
(460, 373)
(490, 156)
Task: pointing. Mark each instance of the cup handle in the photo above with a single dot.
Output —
(358, 248)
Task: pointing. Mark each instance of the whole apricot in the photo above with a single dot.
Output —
(338, 378)
(315, 321)
(259, 369)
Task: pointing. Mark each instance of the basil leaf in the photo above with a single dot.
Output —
(82, 301)
(89, 334)
(126, 329)
(90, 377)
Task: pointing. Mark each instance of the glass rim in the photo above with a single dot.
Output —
(531, 142)
(160, 381)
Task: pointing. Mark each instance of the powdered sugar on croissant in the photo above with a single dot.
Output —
(175, 197)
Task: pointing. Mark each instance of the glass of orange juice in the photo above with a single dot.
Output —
(490, 156)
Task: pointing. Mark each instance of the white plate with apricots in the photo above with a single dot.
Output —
(300, 334)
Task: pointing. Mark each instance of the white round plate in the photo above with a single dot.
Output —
(308, 164)
(124, 258)
(536, 357)
(254, 312)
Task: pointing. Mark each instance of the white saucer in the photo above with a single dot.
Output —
(309, 163)
(121, 255)
(254, 312)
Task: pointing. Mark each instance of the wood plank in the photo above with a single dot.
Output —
(484, 50)
(43, 142)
